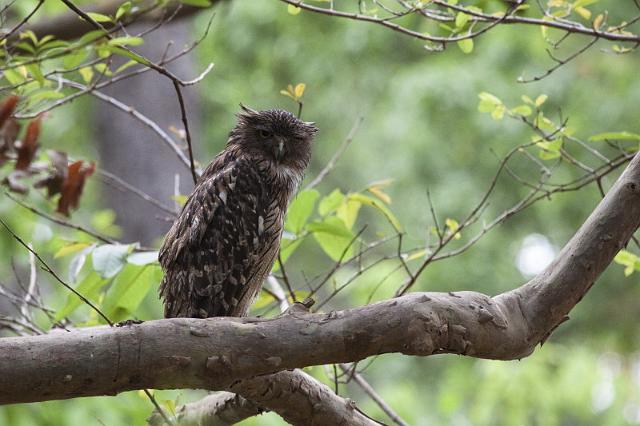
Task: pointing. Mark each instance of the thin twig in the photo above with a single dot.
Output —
(336, 156)
(60, 221)
(183, 112)
(369, 390)
(52, 272)
(22, 22)
(29, 295)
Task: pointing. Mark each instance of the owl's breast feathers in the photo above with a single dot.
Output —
(225, 241)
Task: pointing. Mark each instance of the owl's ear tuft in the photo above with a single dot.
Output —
(311, 127)
(246, 111)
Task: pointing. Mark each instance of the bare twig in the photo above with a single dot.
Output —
(369, 390)
(60, 221)
(22, 22)
(336, 156)
(52, 272)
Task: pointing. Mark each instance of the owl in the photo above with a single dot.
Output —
(226, 239)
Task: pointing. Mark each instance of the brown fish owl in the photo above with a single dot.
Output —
(227, 237)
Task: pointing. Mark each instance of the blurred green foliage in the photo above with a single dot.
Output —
(425, 127)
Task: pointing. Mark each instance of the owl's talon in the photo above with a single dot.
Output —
(300, 307)
(128, 323)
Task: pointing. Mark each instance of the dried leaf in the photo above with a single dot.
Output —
(77, 173)
(29, 146)
(57, 175)
(9, 134)
(7, 107)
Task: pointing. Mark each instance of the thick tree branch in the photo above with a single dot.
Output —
(215, 353)
(294, 395)
(300, 399)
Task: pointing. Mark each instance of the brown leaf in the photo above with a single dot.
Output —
(77, 173)
(57, 175)
(7, 107)
(28, 147)
(9, 134)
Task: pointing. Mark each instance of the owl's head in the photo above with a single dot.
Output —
(276, 135)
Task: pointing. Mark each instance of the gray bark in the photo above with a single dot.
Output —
(297, 397)
(219, 409)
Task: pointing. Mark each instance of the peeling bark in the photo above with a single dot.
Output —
(301, 400)
(294, 395)
(215, 353)
(219, 409)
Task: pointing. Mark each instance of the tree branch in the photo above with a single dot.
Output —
(215, 353)
(219, 409)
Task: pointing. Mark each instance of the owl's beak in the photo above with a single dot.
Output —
(279, 151)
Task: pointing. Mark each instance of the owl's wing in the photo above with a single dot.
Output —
(218, 246)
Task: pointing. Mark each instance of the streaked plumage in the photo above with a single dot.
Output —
(226, 239)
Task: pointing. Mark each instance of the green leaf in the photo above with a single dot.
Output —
(27, 47)
(348, 212)
(30, 35)
(74, 59)
(300, 210)
(43, 95)
(524, 110)
(498, 112)
(86, 73)
(629, 260)
(125, 66)
(103, 69)
(625, 257)
(126, 41)
(452, 228)
(131, 55)
(466, 45)
(88, 288)
(130, 288)
(70, 249)
(197, 3)
(334, 237)
(462, 19)
(143, 258)
(380, 206)
(287, 247)
(124, 8)
(55, 44)
(108, 259)
(90, 37)
(13, 77)
(99, 17)
(331, 202)
(293, 10)
(620, 136)
(541, 99)
(527, 100)
(34, 70)
(488, 102)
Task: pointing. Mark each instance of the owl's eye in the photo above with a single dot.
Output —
(265, 134)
